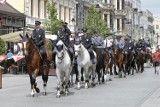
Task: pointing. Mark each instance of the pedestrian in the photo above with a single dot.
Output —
(156, 59)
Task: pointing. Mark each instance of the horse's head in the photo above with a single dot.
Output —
(115, 50)
(77, 49)
(26, 44)
(60, 49)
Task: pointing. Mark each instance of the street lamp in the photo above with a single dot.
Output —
(157, 38)
(112, 17)
(74, 25)
(142, 31)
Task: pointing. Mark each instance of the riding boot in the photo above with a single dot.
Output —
(71, 55)
(54, 60)
(92, 56)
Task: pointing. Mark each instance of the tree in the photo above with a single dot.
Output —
(52, 23)
(3, 49)
(94, 22)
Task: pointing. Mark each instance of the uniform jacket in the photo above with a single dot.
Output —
(86, 41)
(64, 36)
(99, 42)
(39, 37)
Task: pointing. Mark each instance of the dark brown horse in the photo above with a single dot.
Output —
(34, 64)
(140, 60)
(100, 67)
(119, 61)
(10, 64)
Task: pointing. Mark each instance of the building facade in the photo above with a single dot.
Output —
(156, 24)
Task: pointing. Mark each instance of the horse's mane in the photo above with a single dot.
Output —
(31, 47)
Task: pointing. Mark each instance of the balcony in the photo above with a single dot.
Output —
(119, 13)
(108, 6)
(31, 20)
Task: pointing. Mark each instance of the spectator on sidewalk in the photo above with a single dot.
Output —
(156, 59)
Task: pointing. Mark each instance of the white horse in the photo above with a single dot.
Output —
(63, 68)
(83, 61)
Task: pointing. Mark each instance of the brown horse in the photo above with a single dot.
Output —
(148, 57)
(119, 61)
(140, 61)
(34, 64)
(108, 64)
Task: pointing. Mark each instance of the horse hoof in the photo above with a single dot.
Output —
(33, 95)
(57, 96)
(37, 90)
(110, 79)
(62, 92)
(44, 93)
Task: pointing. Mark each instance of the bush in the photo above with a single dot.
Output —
(3, 49)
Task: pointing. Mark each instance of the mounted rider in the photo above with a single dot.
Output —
(140, 46)
(87, 42)
(64, 35)
(120, 43)
(39, 41)
(98, 42)
(148, 46)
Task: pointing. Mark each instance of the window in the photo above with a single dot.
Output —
(118, 24)
(45, 9)
(105, 17)
(39, 8)
(69, 15)
(65, 14)
(32, 7)
(60, 10)
(105, 1)
(157, 26)
(118, 3)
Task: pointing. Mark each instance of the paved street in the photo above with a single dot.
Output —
(140, 90)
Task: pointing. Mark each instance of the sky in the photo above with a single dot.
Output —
(152, 5)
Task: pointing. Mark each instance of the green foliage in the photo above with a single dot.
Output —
(49, 44)
(94, 22)
(52, 23)
(3, 49)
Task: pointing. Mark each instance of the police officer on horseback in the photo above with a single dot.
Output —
(87, 42)
(39, 40)
(64, 35)
(120, 43)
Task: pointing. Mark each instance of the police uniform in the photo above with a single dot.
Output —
(39, 40)
(87, 42)
(64, 34)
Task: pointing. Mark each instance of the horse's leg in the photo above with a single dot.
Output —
(86, 71)
(93, 75)
(79, 78)
(45, 79)
(67, 75)
(115, 71)
(59, 82)
(98, 73)
(33, 83)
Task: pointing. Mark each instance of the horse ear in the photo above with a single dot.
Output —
(27, 36)
(21, 36)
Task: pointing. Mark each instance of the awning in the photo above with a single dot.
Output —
(12, 37)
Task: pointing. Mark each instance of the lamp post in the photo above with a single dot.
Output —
(74, 25)
(157, 38)
(80, 15)
(112, 17)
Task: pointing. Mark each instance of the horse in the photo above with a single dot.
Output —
(100, 67)
(83, 61)
(140, 60)
(118, 59)
(63, 68)
(34, 66)
(129, 61)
